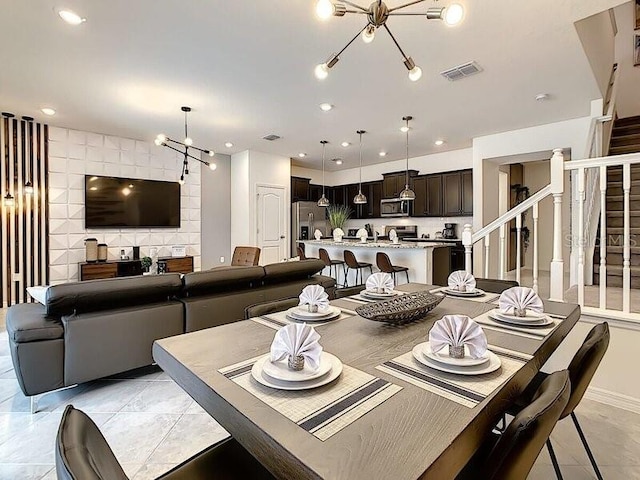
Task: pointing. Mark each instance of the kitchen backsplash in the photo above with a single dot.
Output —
(426, 226)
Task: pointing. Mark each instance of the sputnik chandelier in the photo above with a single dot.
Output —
(377, 15)
(163, 140)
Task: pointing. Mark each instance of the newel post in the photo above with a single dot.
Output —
(467, 240)
(557, 190)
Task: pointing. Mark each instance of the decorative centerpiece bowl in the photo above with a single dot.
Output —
(400, 309)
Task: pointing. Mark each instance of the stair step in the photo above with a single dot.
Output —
(625, 130)
(618, 205)
(620, 140)
(616, 281)
(618, 248)
(615, 188)
(624, 150)
(616, 259)
(616, 270)
(620, 230)
(623, 122)
(620, 198)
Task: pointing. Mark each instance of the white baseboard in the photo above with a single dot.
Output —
(613, 399)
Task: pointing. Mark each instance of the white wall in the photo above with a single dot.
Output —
(628, 101)
(240, 205)
(216, 212)
(598, 40)
(72, 154)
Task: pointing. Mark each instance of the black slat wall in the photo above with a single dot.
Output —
(24, 235)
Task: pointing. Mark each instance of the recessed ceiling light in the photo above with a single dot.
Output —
(71, 17)
(541, 97)
(302, 155)
(338, 161)
(228, 145)
(345, 144)
(439, 143)
(48, 111)
(325, 107)
(383, 154)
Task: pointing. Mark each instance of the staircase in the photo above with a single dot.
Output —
(625, 139)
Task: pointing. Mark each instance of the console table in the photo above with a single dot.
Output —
(130, 268)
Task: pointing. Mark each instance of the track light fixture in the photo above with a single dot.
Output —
(164, 141)
(377, 15)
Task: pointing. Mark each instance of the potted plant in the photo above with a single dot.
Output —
(146, 263)
(338, 215)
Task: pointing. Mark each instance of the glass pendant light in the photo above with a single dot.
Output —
(28, 186)
(324, 201)
(8, 200)
(360, 198)
(407, 193)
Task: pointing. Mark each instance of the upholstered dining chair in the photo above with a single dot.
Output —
(245, 257)
(582, 367)
(83, 453)
(383, 262)
(265, 308)
(511, 455)
(493, 285)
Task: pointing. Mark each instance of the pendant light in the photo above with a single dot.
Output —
(324, 201)
(360, 198)
(407, 193)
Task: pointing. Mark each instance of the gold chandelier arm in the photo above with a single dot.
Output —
(400, 7)
(404, 56)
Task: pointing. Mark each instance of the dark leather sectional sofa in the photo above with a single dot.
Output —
(89, 330)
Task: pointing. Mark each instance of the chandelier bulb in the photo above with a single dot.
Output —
(28, 188)
(325, 9)
(453, 14)
(369, 34)
(415, 74)
(188, 141)
(211, 153)
(181, 181)
(8, 200)
(213, 166)
(321, 71)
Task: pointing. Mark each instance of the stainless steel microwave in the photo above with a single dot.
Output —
(395, 207)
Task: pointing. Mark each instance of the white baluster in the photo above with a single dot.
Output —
(467, 239)
(503, 251)
(535, 247)
(603, 237)
(518, 246)
(581, 200)
(626, 260)
(486, 256)
(557, 190)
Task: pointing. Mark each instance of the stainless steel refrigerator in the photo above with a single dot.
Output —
(306, 217)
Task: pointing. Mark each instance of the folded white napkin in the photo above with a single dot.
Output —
(297, 339)
(317, 234)
(458, 330)
(461, 280)
(380, 280)
(362, 234)
(520, 298)
(338, 233)
(314, 295)
(393, 235)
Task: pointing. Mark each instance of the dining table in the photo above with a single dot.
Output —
(385, 416)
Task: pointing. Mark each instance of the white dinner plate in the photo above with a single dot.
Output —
(298, 313)
(281, 371)
(457, 293)
(443, 357)
(520, 321)
(259, 376)
(491, 366)
(531, 316)
(376, 295)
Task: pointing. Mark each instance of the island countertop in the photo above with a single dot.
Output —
(379, 244)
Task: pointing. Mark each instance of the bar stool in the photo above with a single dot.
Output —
(332, 264)
(353, 264)
(384, 264)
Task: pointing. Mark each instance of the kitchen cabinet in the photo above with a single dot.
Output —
(419, 186)
(315, 192)
(337, 196)
(299, 189)
(457, 193)
(467, 192)
(428, 190)
(394, 183)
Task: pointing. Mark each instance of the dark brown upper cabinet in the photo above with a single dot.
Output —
(394, 183)
(299, 189)
(457, 193)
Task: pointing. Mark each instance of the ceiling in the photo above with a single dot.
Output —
(246, 68)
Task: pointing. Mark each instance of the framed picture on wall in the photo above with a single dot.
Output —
(637, 14)
(636, 49)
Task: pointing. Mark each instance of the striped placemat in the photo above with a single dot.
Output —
(279, 319)
(486, 298)
(536, 333)
(322, 411)
(465, 390)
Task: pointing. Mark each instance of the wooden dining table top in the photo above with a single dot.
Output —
(413, 434)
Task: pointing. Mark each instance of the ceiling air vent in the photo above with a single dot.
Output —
(271, 137)
(461, 71)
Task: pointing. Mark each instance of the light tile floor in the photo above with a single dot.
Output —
(152, 425)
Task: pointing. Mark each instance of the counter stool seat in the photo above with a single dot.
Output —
(353, 264)
(384, 264)
(332, 265)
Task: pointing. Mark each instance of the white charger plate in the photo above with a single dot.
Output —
(301, 313)
(531, 315)
(443, 357)
(259, 376)
(281, 371)
(457, 293)
(498, 316)
(376, 295)
(491, 366)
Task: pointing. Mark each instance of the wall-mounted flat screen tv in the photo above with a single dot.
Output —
(112, 202)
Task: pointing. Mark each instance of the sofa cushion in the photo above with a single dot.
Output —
(279, 272)
(96, 295)
(221, 279)
(27, 322)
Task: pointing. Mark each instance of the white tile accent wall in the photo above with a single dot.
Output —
(74, 154)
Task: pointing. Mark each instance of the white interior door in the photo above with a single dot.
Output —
(271, 228)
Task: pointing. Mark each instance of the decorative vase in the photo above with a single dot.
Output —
(91, 249)
(102, 252)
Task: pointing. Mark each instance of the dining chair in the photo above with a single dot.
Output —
(349, 291)
(266, 308)
(245, 256)
(353, 264)
(301, 253)
(384, 264)
(83, 453)
(511, 455)
(493, 285)
(582, 367)
(332, 264)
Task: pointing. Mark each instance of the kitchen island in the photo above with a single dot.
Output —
(427, 262)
